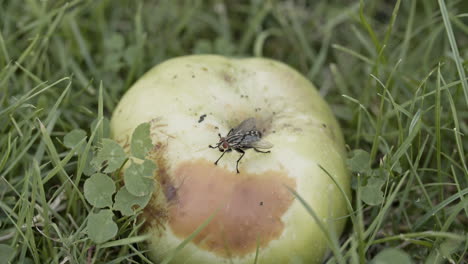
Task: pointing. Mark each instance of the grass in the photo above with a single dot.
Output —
(394, 73)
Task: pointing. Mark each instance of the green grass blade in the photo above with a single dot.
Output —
(331, 241)
(453, 45)
(421, 221)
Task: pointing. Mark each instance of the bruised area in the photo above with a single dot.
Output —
(155, 213)
(247, 207)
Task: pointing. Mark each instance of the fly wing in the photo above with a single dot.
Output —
(243, 140)
(261, 144)
(245, 126)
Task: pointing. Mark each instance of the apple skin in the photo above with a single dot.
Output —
(252, 209)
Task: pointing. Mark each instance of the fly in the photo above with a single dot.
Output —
(244, 136)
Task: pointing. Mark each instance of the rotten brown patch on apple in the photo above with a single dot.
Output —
(247, 207)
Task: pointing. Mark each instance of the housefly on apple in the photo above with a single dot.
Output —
(244, 136)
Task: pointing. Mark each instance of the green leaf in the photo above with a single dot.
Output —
(98, 190)
(125, 201)
(6, 253)
(101, 227)
(444, 252)
(111, 156)
(449, 247)
(139, 178)
(131, 53)
(371, 193)
(390, 256)
(359, 161)
(73, 138)
(114, 42)
(141, 141)
(397, 168)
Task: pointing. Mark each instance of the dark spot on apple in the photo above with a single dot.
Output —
(170, 191)
(193, 76)
(328, 130)
(202, 117)
(162, 176)
(239, 223)
(174, 77)
(204, 69)
(297, 129)
(228, 78)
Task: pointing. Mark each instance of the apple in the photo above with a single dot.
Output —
(188, 101)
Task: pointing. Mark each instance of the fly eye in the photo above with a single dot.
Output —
(225, 145)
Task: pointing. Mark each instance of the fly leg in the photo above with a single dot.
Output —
(261, 151)
(243, 153)
(216, 162)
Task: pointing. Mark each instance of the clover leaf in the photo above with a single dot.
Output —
(98, 190)
(110, 157)
(139, 178)
(141, 141)
(125, 201)
(6, 253)
(359, 161)
(101, 227)
(371, 193)
(73, 138)
(392, 255)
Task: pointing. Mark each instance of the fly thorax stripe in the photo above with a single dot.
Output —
(235, 139)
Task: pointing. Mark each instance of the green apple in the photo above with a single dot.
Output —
(188, 101)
